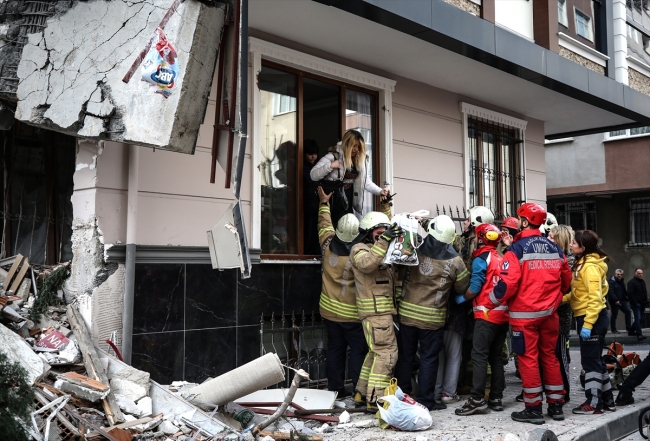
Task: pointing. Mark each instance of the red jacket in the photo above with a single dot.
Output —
(534, 275)
(482, 302)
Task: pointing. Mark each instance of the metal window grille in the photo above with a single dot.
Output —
(579, 215)
(640, 222)
(497, 178)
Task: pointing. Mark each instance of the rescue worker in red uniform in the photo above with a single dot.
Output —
(534, 276)
(490, 327)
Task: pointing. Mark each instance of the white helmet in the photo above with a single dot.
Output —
(480, 215)
(373, 220)
(347, 228)
(550, 223)
(442, 228)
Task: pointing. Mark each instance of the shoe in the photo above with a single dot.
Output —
(359, 400)
(520, 398)
(614, 331)
(609, 407)
(555, 411)
(495, 404)
(528, 416)
(449, 398)
(585, 409)
(624, 399)
(641, 337)
(438, 406)
(471, 407)
(371, 407)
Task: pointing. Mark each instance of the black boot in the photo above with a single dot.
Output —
(555, 411)
(528, 415)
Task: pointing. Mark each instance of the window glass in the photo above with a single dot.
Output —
(583, 25)
(640, 130)
(562, 13)
(640, 221)
(360, 115)
(579, 215)
(634, 34)
(278, 171)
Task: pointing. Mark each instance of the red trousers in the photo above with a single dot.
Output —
(534, 343)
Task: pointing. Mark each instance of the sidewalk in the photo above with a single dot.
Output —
(494, 426)
(621, 337)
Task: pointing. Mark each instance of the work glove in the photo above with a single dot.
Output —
(460, 299)
(585, 333)
(392, 232)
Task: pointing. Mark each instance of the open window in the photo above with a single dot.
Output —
(302, 117)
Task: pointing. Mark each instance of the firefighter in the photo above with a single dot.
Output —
(338, 306)
(464, 243)
(534, 277)
(489, 329)
(509, 229)
(546, 227)
(376, 306)
(422, 308)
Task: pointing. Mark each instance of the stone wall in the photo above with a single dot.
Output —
(638, 81)
(467, 6)
(582, 61)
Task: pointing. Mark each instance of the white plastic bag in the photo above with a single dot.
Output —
(403, 250)
(404, 414)
(160, 67)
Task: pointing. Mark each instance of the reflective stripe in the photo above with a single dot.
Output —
(375, 305)
(324, 208)
(462, 275)
(338, 308)
(531, 314)
(532, 400)
(554, 396)
(533, 390)
(368, 335)
(607, 386)
(539, 256)
(325, 230)
(493, 298)
(483, 308)
(378, 250)
(358, 253)
(593, 384)
(422, 313)
(553, 387)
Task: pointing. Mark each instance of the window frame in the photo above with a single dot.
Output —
(645, 200)
(471, 111)
(578, 13)
(627, 135)
(562, 13)
(580, 205)
(289, 60)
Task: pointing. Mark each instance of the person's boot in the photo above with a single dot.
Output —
(359, 400)
(528, 415)
(624, 398)
(438, 406)
(555, 411)
(495, 404)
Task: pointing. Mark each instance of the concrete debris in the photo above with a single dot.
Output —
(168, 428)
(18, 351)
(127, 405)
(146, 406)
(128, 389)
(140, 378)
(82, 387)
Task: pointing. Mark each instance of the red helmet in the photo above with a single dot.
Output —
(535, 213)
(488, 234)
(510, 222)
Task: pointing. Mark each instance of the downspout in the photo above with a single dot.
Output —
(129, 265)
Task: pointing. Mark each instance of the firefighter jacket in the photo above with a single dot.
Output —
(374, 279)
(465, 245)
(425, 289)
(338, 292)
(534, 276)
(487, 268)
(588, 289)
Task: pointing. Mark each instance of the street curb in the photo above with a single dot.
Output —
(622, 337)
(618, 425)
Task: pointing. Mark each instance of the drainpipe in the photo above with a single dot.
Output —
(129, 266)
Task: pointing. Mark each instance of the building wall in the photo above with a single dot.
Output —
(566, 162)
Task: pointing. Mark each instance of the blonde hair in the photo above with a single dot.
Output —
(347, 143)
(562, 235)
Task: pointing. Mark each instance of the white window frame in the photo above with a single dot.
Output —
(576, 13)
(609, 137)
(562, 13)
(642, 210)
(260, 49)
(468, 110)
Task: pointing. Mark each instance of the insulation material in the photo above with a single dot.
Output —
(258, 374)
(107, 302)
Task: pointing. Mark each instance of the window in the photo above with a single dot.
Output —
(640, 221)
(562, 13)
(639, 131)
(302, 112)
(580, 215)
(583, 25)
(496, 168)
(634, 34)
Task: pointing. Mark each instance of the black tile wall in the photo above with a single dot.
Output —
(192, 322)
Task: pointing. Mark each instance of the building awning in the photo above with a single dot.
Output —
(456, 51)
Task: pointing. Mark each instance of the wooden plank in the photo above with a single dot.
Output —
(126, 425)
(88, 382)
(12, 270)
(92, 363)
(20, 276)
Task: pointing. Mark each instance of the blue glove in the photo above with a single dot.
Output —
(460, 299)
(585, 333)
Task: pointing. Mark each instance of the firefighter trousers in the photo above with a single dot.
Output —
(598, 389)
(378, 365)
(534, 343)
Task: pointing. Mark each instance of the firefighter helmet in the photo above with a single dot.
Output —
(551, 222)
(510, 222)
(442, 228)
(480, 215)
(488, 234)
(347, 228)
(534, 213)
(373, 220)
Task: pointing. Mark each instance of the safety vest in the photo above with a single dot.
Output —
(498, 315)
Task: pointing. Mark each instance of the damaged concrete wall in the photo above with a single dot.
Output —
(70, 74)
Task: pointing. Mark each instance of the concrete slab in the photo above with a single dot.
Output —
(128, 389)
(18, 351)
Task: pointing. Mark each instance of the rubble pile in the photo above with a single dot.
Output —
(82, 392)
